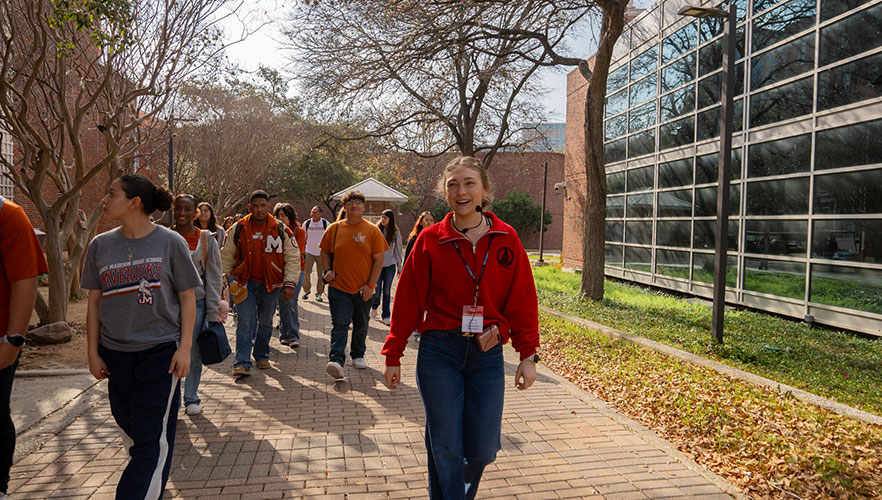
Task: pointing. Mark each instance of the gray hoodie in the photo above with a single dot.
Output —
(210, 289)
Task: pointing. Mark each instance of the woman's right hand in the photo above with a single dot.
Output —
(392, 376)
(97, 367)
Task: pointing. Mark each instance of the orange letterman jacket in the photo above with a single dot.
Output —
(281, 259)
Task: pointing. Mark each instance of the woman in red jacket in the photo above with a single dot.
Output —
(465, 275)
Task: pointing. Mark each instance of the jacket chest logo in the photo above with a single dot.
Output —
(273, 244)
(505, 257)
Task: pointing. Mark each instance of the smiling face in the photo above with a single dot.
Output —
(184, 210)
(464, 190)
(204, 215)
(116, 204)
(427, 221)
(315, 213)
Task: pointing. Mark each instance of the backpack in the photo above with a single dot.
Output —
(324, 224)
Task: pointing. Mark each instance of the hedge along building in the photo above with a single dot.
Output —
(805, 230)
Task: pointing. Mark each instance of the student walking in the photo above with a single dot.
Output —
(21, 261)
(352, 255)
(206, 219)
(466, 275)
(315, 228)
(206, 257)
(141, 311)
(392, 260)
(289, 315)
(260, 260)
(425, 220)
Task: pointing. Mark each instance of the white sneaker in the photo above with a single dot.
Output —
(335, 370)
(191, 409)
(386, 321)
(359, 363)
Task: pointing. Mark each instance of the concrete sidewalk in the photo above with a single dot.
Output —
(292, 432)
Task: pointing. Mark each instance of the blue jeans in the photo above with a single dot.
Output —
(462, 390)
(386, 277)
(255, 325)
(191, 383)
(289, 315)
(347, 308)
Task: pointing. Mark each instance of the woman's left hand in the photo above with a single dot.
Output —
(180, 363)
(526, 374)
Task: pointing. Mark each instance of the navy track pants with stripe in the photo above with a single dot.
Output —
(144, 400)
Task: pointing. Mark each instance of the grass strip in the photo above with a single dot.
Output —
(769, 444)
(837, 365)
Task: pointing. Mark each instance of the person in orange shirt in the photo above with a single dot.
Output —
(21, 261)
(289, 316)
(352, 256)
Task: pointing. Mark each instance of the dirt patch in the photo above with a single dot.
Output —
(70, 354)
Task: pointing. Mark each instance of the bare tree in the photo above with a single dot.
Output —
(71, 67)
(406, 65)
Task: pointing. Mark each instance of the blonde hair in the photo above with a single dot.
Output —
(469, 162)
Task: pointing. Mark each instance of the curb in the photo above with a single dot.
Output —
(51, 373)
(778, 387)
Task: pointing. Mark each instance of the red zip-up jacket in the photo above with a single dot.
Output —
(435, 285)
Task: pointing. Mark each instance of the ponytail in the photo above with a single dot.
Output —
(152, 197)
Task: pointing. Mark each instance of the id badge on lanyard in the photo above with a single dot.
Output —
(473, 315)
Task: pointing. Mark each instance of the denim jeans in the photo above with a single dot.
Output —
(385, 279)
(7, 426)
(289, 315)
(191, 383)
(462, 390)
(255, 326)
(347, 308)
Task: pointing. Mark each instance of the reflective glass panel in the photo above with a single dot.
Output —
(644, 63)
(615, 230)
(644, 90)
(782, 22)
(855, 240)
(613, 255)
(776, 237)
(781, 63)
(617, 103)
(615, 206)
(675, 203)
(707, 167)
(781, 197)
(641, 144)
(832, 8)
(674, 233)
(849, 287)
(853, 82)
(709, 121)
(679, 73)
(640, 205)
(615, 127)
(642, 117)
(710, 57)
(641, 179)
(784, 156)
(782, 103)
(615, 183)
(678, 103)
(614, 151)
(638, 259)
(775, 277)
(850, 36)
(849, 193)
(639, 232)
(672, 263)
(617, 79)
(706, 201)
(849, 146)
(710, 89)
(761, 5)
(706, 234)
(711, 27)
(675, 173)
(677, 133)
(680, 42)
(703, 268)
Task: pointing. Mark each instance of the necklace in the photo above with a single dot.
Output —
(476, 235)
(132, 250)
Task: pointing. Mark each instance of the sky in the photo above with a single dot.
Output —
(263, 48)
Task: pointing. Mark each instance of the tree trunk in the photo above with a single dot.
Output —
(59, 285)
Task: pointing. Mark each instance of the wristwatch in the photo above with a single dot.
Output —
(534, 358)
(15, 340)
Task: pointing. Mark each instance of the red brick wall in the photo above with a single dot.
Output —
(574, 170)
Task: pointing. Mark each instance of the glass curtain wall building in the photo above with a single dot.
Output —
(805, 230)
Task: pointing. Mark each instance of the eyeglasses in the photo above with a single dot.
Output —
(354, 202)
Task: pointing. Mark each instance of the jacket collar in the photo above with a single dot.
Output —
(447, 233)
(270, 221)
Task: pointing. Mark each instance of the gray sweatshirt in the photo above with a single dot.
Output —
(210, 289)
(394, 254)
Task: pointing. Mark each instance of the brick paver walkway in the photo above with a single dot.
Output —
(291, 432)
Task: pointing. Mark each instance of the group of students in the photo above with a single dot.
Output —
(465, 285)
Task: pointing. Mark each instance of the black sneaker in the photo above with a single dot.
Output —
(305, 296)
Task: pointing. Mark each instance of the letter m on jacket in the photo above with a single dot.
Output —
(273, 244)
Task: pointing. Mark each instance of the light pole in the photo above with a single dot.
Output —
(725, 164)
(542, 215)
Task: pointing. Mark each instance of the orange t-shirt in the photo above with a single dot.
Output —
(20, 255)
(353, 252)
(192, 239)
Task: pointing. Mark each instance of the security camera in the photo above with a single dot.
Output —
(560, 186)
